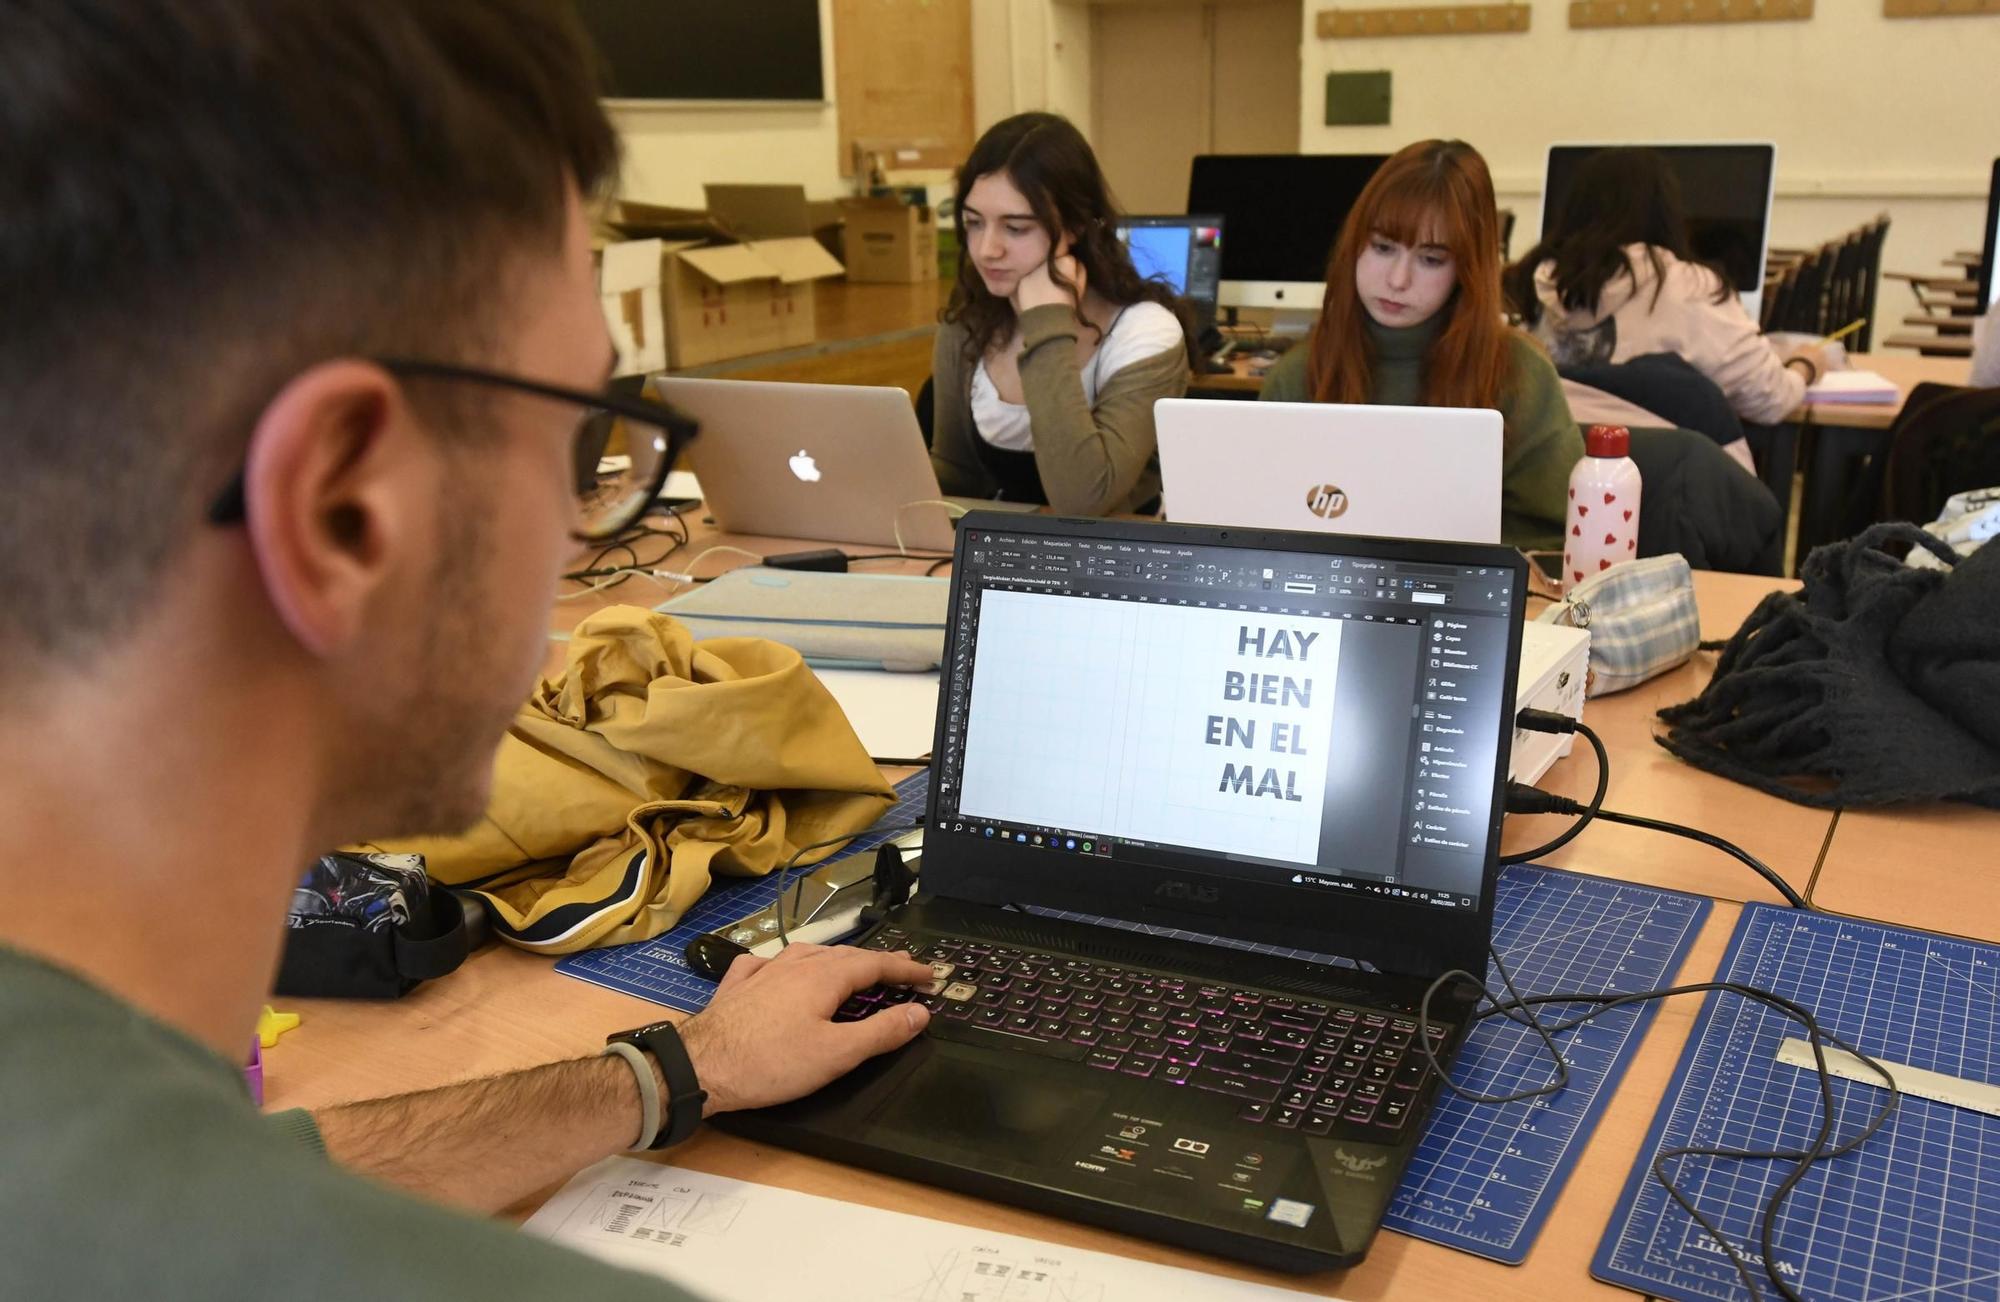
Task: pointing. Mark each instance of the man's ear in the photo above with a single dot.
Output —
(332, 483)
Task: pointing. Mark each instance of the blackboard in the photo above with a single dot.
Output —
(708, 49)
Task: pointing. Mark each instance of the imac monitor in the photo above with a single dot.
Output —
(1283, 213)
(1726, 189)
(1989, 284)
(1183, 252)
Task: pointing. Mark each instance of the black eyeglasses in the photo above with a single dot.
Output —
(624, 447)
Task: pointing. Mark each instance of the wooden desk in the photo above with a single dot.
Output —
(1944, 284)
(1648, 781)
(506, 1009)
(1238, 382)
(1838, 436)
(1933, 868)
(1903, 370)
(1933, 345)
(1944, 325)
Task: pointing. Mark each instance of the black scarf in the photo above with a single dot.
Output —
(1875, 684)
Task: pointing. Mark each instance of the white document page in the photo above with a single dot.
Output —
(728, 1241)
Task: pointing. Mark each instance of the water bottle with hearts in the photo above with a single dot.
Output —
(1603, 524)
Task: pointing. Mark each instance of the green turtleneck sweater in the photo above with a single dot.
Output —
(1542, 442)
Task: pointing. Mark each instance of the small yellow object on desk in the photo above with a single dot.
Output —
(272, 1024)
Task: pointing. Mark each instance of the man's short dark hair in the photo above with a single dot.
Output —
(198, 199)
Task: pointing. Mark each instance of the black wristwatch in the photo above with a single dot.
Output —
(662, 1043)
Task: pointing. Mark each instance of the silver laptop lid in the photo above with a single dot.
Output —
(1386, 472)
(843, 463)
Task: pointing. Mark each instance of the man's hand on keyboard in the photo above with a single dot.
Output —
(768, 1036)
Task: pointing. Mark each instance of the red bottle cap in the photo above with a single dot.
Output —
(1607, 441)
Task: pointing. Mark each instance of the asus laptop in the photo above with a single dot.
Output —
(1210, 810)
(1398, 472)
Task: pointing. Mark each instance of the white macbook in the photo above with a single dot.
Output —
(1389, 472)
(840, 462)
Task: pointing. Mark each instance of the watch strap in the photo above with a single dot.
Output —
(649, 1092)
(680, 1110)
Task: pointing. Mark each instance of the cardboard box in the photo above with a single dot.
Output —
(888, 240)
(688, 290)
(770, 212)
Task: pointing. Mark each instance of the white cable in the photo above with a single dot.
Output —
(754, 558)
(601, 584)
(952, 509)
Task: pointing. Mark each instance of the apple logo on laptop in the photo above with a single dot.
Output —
(804, 467)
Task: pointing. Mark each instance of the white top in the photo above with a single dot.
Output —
(1142, 330)
(1717, 339)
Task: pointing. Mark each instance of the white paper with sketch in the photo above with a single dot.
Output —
(728, 1240)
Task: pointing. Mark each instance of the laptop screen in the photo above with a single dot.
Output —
(1326, 719)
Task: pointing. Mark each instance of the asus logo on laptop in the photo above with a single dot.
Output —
(1188, 893)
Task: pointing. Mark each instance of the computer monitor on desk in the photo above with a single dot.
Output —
(1989, 284)
(1725, 188)
(1183, 252)
(1283, 213)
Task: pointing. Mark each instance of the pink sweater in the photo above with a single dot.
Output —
(1717, 339)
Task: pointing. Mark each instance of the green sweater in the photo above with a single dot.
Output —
(1093, 460)
(1543, 442)
(135, 1167)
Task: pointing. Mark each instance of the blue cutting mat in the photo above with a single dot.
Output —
(1486, 1176)
(1915, 1212)
(655, 969)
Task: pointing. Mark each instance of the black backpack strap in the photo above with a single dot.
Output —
(425, 958)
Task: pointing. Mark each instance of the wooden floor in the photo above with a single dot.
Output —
(867, 334)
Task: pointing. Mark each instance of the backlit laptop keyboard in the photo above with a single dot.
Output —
(1294, 1063)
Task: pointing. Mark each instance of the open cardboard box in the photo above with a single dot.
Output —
(683, 287)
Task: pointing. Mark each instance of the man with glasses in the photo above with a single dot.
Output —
(300, 421)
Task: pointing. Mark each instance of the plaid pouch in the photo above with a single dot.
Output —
(369, 926)
(1641, 616)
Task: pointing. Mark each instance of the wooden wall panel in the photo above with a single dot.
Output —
(903, 72)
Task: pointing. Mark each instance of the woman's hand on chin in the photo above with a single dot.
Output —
(1039, 287)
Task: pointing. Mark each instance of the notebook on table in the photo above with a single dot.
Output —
(1856, 387)
(1263, 743)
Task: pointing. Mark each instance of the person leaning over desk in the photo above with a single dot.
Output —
(1053, 350)
(288, 441)
(1616, 279)
(1412, 318)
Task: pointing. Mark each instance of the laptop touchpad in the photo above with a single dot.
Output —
(974, 1103)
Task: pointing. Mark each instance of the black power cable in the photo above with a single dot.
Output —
(1519, 1009)
(1553, 722)
(1524, 799)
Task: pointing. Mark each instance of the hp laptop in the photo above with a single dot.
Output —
(1210, 810)
(840, 462)
(1392, 472)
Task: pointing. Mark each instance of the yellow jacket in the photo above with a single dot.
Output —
(648, 765)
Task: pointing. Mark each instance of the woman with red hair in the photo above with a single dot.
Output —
(1413, 318)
